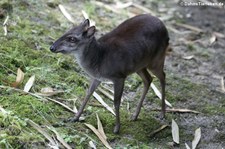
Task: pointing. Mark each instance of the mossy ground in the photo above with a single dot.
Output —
(32, 27)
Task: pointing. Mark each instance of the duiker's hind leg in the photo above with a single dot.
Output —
(160, 74)
(147, 79)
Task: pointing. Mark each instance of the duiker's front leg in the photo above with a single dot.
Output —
(118, 91)
(94, 84)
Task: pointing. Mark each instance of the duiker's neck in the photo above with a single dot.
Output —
(90, 58)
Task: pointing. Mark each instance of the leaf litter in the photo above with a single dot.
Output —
(99, 132)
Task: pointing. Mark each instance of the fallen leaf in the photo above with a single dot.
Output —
(178, 110)
(60, 139)
(100, 128)
(175, 132)
(222, 84)
(103, 103)
(48, 91)
(188, 57)
(196, 138)
(157, 92)
(193, 28)
(107, 94)
(19, 78)
(98, 134)
(29, 84)
(66, 14)
(187, 147)
(120, 5)
(44, 133)
(212, 39)
(85, 15)
(158, 130)
(92, 145)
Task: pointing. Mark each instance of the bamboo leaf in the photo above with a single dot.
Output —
(212, 39)
(158, 130)
(98, 134)
(43, 132)
(100, 128)
(157, 92)
(179, 110)
(48, 91)
(61, 140)
(196, 138)
(92, 145)
(187, 147)
(175, 132)
(19, 78)
(66, 14)
(188, 57)
(29, 84)
(103, 103)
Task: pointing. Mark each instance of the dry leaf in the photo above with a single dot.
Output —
(107, 94)
(157, 92)
(19, 78)
(158, 130)
(188, 57)
(92, 23)
(5, 25)
(175, 132)
(48, 91)
(222, 84)
(29, 84)
(44, 133)
(120, 5)
(66, 14)
(103, 140)
(100, 128)
(178, 110)
(5, 30)
(193, 28)
(187, 147)
(196, 138)
(60, 139)
(103, 103)
(212, 39)
(92, 145)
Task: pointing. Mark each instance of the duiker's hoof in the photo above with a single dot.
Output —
(74, 119)
(162, 116)
(116, 129)
(133, 117)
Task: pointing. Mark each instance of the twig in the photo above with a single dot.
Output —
(39, 97)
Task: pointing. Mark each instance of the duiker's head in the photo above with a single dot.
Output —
(75, 39)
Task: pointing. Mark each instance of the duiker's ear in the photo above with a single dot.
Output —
(86, 24)
(90, 31)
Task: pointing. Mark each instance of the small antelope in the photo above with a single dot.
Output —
(137, 45)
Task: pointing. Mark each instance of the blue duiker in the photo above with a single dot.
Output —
(138, 45)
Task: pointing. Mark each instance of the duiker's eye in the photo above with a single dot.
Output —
(72, 39)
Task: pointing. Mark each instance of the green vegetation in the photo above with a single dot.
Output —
(32, 27)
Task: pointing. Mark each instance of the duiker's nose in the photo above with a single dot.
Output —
(52, 48)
